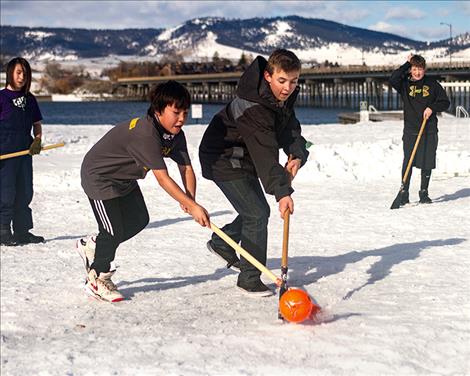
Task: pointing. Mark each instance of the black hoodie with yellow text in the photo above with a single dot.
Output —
(417, 96)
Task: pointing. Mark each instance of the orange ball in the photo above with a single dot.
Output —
(296, 306)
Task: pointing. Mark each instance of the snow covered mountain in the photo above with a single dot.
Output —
(315, 40)
(43, 43)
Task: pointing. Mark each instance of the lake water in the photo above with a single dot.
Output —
(76, 113)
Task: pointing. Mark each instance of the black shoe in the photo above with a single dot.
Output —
(6, 237)
(27, 238)
(256, 288)
(405, 198)
(423, 197)
(233, 262)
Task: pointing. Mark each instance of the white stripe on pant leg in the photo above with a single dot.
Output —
(108, 221)
(102, 216)
(98, 210)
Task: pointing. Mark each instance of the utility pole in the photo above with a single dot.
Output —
(450, 42)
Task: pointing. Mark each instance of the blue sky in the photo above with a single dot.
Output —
(418, 20)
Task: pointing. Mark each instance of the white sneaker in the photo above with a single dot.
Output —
(102, 287)
(86, 250)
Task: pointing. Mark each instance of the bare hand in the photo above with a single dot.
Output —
(200, 215)
(293, 166)
(286, 203)
(409, 57)
(184, 208)
(427, 113)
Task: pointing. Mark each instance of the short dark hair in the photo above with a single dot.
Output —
(26, 69)
(418, 61)
(166, 94)
(283, 59)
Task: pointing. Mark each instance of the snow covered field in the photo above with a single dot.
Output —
(394, 284)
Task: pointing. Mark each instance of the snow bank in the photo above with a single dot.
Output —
(363, 151)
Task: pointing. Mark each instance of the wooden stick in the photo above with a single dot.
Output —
(285, 239)
(26, 152)
(412, 157)
(397, 202)
(284, 268)
(246, 255)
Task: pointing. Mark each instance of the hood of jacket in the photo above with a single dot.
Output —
(253, 87)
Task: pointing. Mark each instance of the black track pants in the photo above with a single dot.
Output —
(119, 219)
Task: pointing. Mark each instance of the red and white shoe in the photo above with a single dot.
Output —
(102, 287)
(86, 250)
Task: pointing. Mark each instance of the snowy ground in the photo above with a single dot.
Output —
(394, 284)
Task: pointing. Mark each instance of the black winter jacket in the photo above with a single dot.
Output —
(245, 137)
(417, 95)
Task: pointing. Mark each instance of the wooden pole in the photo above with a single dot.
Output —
(26, 152)
(246, 255)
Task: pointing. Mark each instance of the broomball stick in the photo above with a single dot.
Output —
(396, 203)
(263, 269)
(285, 249)
(295, 305)
(26, 152)
(285, 243)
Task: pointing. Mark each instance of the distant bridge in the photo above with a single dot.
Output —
(340, 87)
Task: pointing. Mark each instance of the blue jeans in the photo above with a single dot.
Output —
(250, 227)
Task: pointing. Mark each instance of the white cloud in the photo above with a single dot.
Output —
(443, 12)
(385, 27)
(465, 7)
(429, 34)
(157, 14)
(415, 33)
(403, 13)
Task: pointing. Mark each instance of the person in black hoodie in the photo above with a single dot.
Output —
(241, 146)
(423, 97)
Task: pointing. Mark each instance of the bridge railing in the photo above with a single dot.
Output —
(383, 68)
(364, 69)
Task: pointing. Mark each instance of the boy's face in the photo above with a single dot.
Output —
(282, 83)
(18, 78)
(417, 73)
(172, 118)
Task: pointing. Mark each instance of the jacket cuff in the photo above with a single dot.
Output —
(283, 192)
(303, 158)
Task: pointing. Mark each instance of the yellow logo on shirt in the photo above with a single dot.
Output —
(425, 90)
(414, 91)
(133, 123)
(166, 151)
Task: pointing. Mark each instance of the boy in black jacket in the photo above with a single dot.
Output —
(422, 98)
(241, 146)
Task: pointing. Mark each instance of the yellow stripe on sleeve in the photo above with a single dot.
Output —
(133, 123)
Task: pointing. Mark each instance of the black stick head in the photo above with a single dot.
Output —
(396, 203)
(282, 291)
